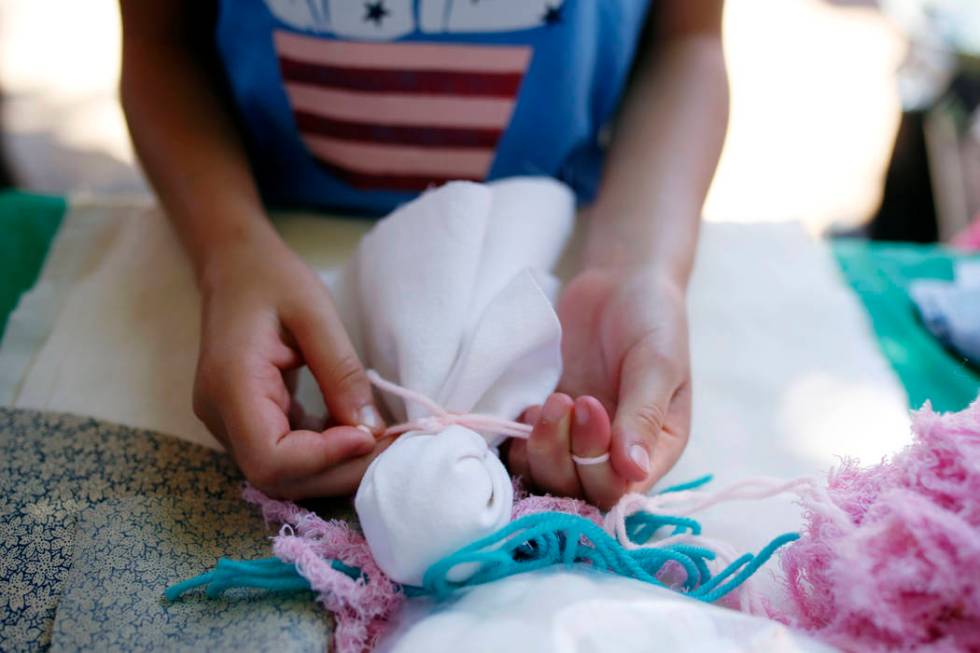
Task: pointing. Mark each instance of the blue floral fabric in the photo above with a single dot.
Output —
(97, 519)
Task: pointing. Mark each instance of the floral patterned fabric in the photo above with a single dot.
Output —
(97, 519)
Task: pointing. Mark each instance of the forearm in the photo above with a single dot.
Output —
(665, 149)
(187, 144)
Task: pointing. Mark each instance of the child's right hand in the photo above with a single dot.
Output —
(265, 315)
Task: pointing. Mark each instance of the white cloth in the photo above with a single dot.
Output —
(429, 495)
(557, 611)
(449, 295)
(445, 299)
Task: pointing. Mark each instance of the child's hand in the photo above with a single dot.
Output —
(563, 427)
(267, 314)
(626, 355)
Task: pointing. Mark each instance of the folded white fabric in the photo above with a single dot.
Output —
(578, 611)
(951, 309)
(450, 296)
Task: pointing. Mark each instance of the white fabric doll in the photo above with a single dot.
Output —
(450, 296)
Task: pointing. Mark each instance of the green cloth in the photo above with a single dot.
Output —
(880, 274)
(28, 223)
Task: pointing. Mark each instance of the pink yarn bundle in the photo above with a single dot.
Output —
(360, 607)
(902, 571)
(529, 504)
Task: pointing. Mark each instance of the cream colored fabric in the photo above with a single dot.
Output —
(786, 372)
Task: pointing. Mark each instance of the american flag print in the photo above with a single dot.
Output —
(400, 115)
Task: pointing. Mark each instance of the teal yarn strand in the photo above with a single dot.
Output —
(532, 542)
(752, 566)
(642, 526)
(689, 485)
(268, 574)
(535, 541)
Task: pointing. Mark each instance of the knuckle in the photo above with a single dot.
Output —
(652, 356)
(664, 363)
(201, 397)
(207, 372)
(264, 475)
(200, 405)
(346, 373)
(206, 415)
(609, 498)
(650, 418)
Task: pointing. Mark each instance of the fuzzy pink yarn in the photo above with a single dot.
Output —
(904, 574)
(360, 607)
(529, 504)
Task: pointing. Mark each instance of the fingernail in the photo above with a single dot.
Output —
(369, 417)
(581, 413)
(640, 456)
(554, 410)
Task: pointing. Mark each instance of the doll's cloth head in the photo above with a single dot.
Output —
(450, 296)
(429, 488)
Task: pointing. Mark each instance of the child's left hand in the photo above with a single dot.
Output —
(625, 350)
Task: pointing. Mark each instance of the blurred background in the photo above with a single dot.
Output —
(845, 115)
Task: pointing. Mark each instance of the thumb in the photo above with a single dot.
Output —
(331, 357)
(645, 393)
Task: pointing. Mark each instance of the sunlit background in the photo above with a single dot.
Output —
(818, 90)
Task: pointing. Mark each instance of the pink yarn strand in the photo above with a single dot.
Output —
(688, 502)
(362, 606)
(441, 418)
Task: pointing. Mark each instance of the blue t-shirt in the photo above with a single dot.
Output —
(360, 105)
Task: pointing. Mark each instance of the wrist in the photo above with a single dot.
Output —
(667, 272)
(215, 224)
(613, 246)
(219, 259)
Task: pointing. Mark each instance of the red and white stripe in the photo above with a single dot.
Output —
(400, 116)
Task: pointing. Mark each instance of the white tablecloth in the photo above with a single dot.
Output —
(787, 375)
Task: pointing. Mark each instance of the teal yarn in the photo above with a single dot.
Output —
(641, 526)
(689, 485)
(269, 574)
(532, 542)
(548, 539)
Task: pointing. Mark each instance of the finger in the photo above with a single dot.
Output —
(531, 415)
(267, 451)
(517, 458)
(673, 438)
(591, 437)
(645, 393)
(290, 378)
(517, 447)
(549, 450)
(342, 479)
(310, 453)
(328, 351)
(300, 420)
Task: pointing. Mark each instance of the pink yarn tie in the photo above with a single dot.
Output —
(441, 418)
